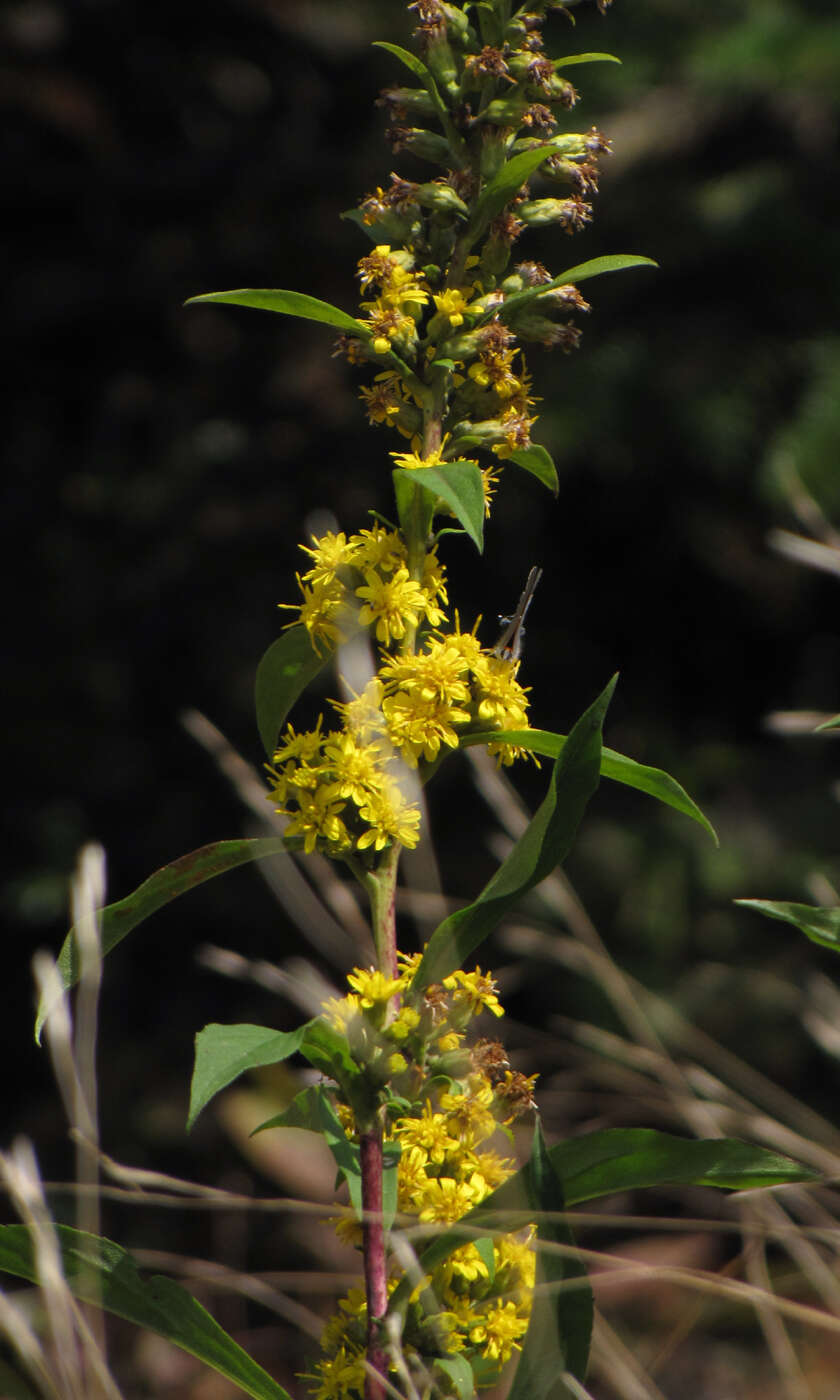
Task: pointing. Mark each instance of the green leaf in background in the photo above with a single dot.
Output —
(282, 676)
(100, 1272)
(459, 484)
(536, 460)
(613, 765)
(222, 1053)
(571, 59)
(540, 849)
(116, 920)
(820, 925)
(297, 304)
(614, 1160)
(560, 1326)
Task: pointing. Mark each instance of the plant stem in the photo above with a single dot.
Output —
(381, 886)
(373, 1247)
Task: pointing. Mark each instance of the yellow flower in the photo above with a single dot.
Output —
(452, 304)
(393, 604)
(318, 819)
(363, 714)
(500, 1331)
(412, 460)
(390, 817)
(418, 727)
(380, 549)
(355, 766)
(373, 988)
(330, 553)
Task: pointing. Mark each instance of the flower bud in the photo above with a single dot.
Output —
(402, 101)
(428, 145)
(572, 214)
(436, 196)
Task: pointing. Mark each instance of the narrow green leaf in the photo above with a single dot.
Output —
(571, 59)
(541, 848)
(614, 1160)
(298, 304)
(595, 267)
(282, 676)
(313, 1109)
(560, 1325)
(222, 1053)
(419, 69)
(500, 190)
(166, 884)
(459, 484)
(536, 460)
(624, 1159)
(614, 765)
(828, 724)
(100, 1272)
(820, 925)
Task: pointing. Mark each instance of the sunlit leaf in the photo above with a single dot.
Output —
(117, 920)
(614, 765)
(459, 484)
(560, 1325)
(820, 925)
(540, 849)
(222, 1053)
(536, 460)
(505, 184)
(288, 304)
(100, 1272)
(282, 676)
(828, 724)
(595, 267)
(571, 59)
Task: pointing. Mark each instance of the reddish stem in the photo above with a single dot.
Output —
(373, 1245)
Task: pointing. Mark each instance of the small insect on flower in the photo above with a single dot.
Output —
(512, 637)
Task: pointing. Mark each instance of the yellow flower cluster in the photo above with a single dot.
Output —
(448, 1102)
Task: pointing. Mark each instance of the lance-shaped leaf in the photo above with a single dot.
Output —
(419, 69)
(222, 1053)
(501, 189)
(614, 765)
(540, 849)
(116, 920)
(313, 1109)
(615, 1160)
(536, 460)
(298, 304)
(571, 59)
(595, 267)
(100, 1272)
(459, 484)
(820, 925)
(282, 675)
(560, 1325)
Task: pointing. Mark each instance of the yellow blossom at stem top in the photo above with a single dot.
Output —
(392, 605)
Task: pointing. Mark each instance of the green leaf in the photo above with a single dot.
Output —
(500, 190)
(459, 484)
(313, 1109)
(419, 69)
(540, 849)
(282, 676)
(614, 765)
(298, 304)
(100, 1272)
(458, 1371)
(828, 724)
(615, 1160)
(571, 59)
(117, 920)
(536, 460)
(222, 1053)
(624, 1159)
(595, 267)
(560, 1325)
(327, 1050)
(820, 925)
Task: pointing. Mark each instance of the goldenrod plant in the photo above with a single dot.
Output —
(467, 1261)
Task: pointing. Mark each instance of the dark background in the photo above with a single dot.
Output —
(161, 463)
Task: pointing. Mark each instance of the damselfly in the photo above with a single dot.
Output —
(512, 637)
